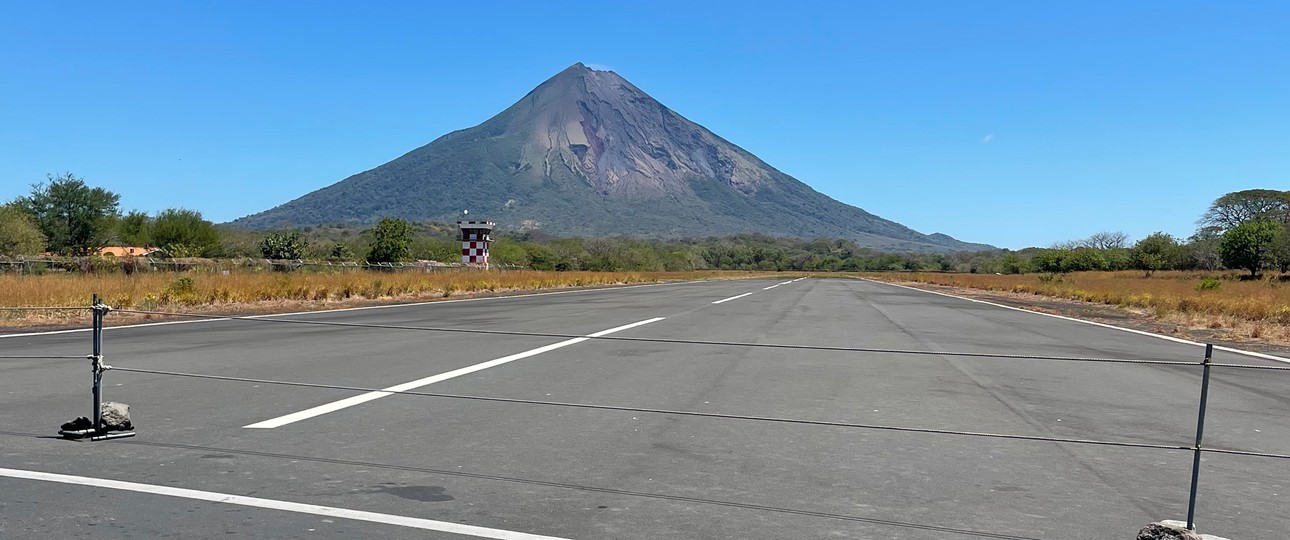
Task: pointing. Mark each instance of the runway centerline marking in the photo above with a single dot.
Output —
(732, 298)
(272, 504)
(412, 385)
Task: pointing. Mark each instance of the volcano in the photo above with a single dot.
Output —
(587, 153)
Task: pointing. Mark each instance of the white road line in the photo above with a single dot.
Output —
(79, 330)
(271, 504)
(1094, 323)
(787, 282)
(364, 398)
(732, 298)
(362, 308)
(771, 287)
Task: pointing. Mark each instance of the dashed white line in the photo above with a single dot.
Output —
(732, 298)
(272, 504)
(364, 398)
(771, 287)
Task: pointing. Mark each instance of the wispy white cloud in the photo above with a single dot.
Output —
(986, 139)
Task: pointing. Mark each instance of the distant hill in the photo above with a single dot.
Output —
(586, 153)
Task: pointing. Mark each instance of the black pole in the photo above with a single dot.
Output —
(1200, 431)
(97, 363)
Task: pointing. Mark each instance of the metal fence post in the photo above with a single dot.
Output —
(96, 362)
(96, 431)
(1200, 431)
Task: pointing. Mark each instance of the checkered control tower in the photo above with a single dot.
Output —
(475, 237)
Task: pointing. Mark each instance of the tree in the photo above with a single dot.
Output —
(184, 233)
(1281, 251)
(1246, 206)
(135, 229)
(1157, 251)
(1249, 246)
(281, 246)
(19, 234)
(391, 240)
(1051, 260)
(1084, 259)
(1012, 263)
(1106, 240)
(75, 218)
(340, 251)
(1201, 253)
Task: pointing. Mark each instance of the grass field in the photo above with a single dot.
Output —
(1253, 309)
(281, 291)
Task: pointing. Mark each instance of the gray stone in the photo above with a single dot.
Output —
(116, 416)
(1172, 530)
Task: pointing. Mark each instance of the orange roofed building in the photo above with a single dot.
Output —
(126, 251)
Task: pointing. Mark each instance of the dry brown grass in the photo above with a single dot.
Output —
(1254, 309)
(275, 291)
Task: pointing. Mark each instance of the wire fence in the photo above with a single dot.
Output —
(277, 319)
(1196, 446)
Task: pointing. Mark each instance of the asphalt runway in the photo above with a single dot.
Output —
(589, 440)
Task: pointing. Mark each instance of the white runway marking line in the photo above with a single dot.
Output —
(1103, 325)
(364, 398)
(732, 298)
(271, 504)
(775, 285)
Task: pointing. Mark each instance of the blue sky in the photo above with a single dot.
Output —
(1011, 123)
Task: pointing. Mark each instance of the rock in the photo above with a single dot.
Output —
(116, 417)
(78, 424)
(1172, 530)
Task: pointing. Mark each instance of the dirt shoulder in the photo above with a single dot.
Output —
(71, 320)
(1112, 315)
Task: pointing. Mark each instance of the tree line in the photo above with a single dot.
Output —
(1243, 230)
(64, 216)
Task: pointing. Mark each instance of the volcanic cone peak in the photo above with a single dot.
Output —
(588, 153)
(620, 140)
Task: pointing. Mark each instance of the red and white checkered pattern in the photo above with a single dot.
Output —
(474, 242)
(474, 252)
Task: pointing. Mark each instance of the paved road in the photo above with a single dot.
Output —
(515, 469)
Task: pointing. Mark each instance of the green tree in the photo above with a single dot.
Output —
(391, 241)
(19, 234)
(184, 233)
(135, 229)
(1238, 207)
(1012, 263)
(1051, 260)
(508, 251)
(434, 249)
(1084, 259)
(1158, 251)
(1281, 251)
(280, 246)
(1250, 246)
(340, 251)
(76, 219)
